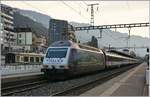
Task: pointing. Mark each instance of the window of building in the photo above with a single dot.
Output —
(20, 41)
(26, 59)
(37, 59)
(19, 35)
(18, 58)
(42, 59)
(31, 59)
(22, 58)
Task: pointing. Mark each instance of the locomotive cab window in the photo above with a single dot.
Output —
(56, 53)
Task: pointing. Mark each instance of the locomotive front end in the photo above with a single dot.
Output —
(56, 60)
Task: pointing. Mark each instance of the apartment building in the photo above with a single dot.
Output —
(8, 37)
(60, 30)
(29, 41)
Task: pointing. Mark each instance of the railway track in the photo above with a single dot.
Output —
(78, 89)
(73, 90)
(10, 88)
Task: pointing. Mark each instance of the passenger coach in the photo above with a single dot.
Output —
(15, 57)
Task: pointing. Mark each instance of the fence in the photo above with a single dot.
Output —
(20, 68)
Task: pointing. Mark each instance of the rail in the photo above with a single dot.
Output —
(22, 85)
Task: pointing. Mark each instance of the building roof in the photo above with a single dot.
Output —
(21, 29)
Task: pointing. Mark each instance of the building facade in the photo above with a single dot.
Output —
(24, 36)
(39, 43)
(60, 30)
(29, 41)
(8, 37)
(56, 30)
(71, 33)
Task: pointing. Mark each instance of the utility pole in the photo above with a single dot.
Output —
(100, 38)
(128, 38)
(147, 58)
(92, 12)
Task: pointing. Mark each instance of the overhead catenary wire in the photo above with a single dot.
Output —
(74, 10)
(48, 13)
(81, 7)
(65, 4)
(28, 4)
(85, 3)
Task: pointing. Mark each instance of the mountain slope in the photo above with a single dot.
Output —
(23, 21)
(36, 16)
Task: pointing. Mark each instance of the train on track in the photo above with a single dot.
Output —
(68, 58)
(23, 58)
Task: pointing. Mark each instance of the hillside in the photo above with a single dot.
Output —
(23, 21)
(36, 16)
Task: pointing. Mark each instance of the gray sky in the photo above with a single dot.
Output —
(110, 12)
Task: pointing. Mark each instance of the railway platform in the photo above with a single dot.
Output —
(130, 83)
(20, 76)
(11, 69)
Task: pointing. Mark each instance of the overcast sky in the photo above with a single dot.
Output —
(110, 12)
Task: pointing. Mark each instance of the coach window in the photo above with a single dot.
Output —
(37, 59)
(26, 59)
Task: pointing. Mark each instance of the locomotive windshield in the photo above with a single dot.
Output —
(56, 53)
